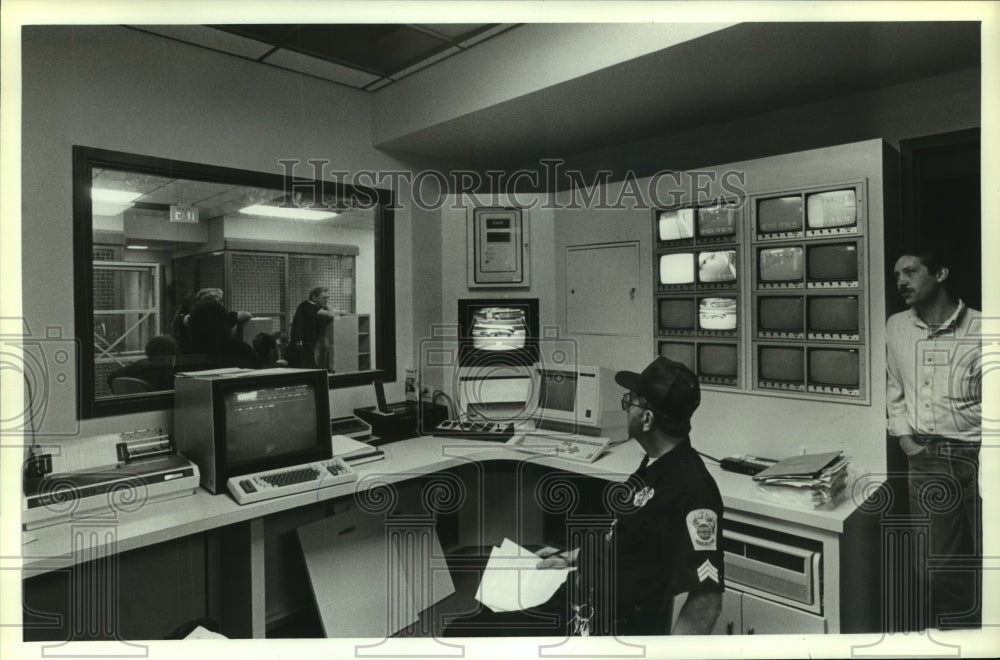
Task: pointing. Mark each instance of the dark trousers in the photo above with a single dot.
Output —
(944, 498)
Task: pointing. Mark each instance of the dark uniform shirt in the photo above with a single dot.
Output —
(666, 540)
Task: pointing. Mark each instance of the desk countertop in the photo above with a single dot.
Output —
(48, 548)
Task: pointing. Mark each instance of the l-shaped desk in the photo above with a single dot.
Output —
(845, 537)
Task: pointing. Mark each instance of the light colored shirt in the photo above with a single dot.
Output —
(934, 375)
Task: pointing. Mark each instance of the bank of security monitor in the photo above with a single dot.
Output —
(579, 399)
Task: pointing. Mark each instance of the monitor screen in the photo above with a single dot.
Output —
(837, 262)
(833, 314)
(779, 214)
(781, 363)
(717, 313)
(716, 221)
(495, 393)
(498, 331)
(779, 313)
(836, 208)
(557, 390)
(717, 266)
(677, 314)
(682, 352)
(834, 367)
(263, 422)
(677, 268)
(676, 225)
(718, 360)
(780, 264)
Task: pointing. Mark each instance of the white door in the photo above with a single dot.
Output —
(602, 289)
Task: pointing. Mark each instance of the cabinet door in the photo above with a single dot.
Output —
(762, 617)
(730, 621)
(602, 284)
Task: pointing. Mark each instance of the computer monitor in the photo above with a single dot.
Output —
(833, 317)
(680, 351)
(717, 267)
(832, 209)
(677, 315)
(244, 421)
(584, 400)
(717, 223)
(500, 331)
(779, 215)
(675, 226)
(718, 364)
(677, 269)
(717, 314)
(781, 367)
(499, 393)
(780, 266)
(834, 370)
(833, 262)
(780, 316)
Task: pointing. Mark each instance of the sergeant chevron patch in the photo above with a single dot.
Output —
(707, 571)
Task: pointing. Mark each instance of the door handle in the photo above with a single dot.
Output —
(729, 627)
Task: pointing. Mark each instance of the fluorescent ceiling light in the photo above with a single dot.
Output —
(111, 202)
(137, 247)
(288, 212)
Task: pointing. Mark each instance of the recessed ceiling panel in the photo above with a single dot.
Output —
(321, 69)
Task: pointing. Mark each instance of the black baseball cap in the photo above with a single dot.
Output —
(670, 389)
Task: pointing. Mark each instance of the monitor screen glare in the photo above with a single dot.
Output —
(676, 225)
(717, 266)
(836, 208)
(677, 268)
(717, 313)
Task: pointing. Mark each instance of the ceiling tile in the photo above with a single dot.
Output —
(457, 31)
(201, 35)
(315, 67)
(427, 62)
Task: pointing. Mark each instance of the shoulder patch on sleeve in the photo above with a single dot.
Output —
(702, 525)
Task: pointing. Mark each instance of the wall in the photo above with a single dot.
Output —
(120, 89)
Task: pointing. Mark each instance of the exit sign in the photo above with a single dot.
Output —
(180, 213)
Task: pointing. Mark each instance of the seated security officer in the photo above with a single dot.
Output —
(665, 539)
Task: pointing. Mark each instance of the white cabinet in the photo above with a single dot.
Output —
(746, 614)
(602, 287)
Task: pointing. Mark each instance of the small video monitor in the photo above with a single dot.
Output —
(677, 269)
(683, 352)
(833, 209)
(718, 363)
(837, 262)
(780, 265)
(717, 266)
(717, 222)
(718, 314)
(675, 225)
(834, 368)
(780, 315)
(778, 215)
(781, 365)
(677, 315)
(833, 315)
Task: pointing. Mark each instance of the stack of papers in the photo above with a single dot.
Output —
(809, 480)
(355, 452)
(512, 582)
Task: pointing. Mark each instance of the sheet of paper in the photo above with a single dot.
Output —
(512, 582)
(343, 444)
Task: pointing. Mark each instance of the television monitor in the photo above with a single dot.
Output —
(244, 421)
(717, 266)
(718, 362)
(832, 209)
(717, 221)
(496, 393)
(779, 214)
(683, 352)
(675, 225)
(780, 314)
(677, 314)
(677, 268)
(833, 315)
(834, 367)
(837, 262)
(717, 313)
(578, 399)
(781, 364)
(500, 331)
(779, 265)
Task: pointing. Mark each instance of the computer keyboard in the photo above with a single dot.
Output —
(493, 431)
(269, 484)
(561, 445)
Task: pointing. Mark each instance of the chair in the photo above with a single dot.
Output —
(129, 385)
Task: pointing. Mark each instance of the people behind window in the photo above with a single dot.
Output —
(156, 369)
(209, 340)
(266, 347)
(308, 337)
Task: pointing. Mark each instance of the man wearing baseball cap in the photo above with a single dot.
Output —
(665, 539)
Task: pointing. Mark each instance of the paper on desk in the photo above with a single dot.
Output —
(512, 582)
